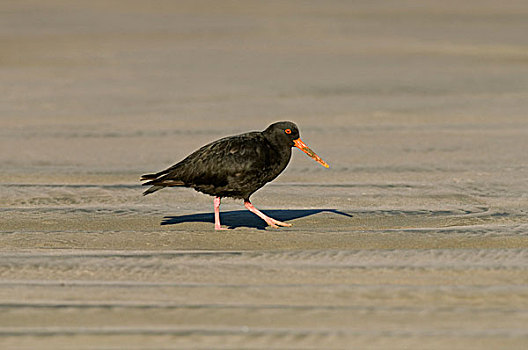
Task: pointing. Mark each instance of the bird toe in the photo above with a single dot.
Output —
(280, 223)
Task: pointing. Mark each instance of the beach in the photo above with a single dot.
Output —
(416, 237)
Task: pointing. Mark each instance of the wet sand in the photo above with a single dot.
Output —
(415, 238)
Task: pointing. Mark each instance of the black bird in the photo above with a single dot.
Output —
(235, 166)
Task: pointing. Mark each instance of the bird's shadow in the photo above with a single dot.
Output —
(243, 218)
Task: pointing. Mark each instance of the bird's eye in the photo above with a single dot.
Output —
(287, 131)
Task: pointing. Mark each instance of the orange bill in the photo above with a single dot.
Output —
(302, 146)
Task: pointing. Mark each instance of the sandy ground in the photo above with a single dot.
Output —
(415, 238)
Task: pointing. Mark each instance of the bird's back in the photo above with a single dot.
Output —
(234, 166)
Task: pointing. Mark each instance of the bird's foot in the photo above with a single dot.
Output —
(270, 221)
(277, 223)
(220, 228)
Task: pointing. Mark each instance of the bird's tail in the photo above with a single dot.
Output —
(149, 176)
(152, 189)
(157, 182)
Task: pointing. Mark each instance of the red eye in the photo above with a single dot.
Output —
(287, 131)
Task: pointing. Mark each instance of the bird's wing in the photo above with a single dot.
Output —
(221, 160)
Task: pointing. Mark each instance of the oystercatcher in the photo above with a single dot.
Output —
(235, 167)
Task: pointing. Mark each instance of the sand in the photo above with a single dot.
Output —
(415, 238)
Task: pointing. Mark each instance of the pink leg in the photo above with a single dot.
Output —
(270, 221)
(216, 203)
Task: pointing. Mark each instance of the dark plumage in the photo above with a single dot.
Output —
(235, 166)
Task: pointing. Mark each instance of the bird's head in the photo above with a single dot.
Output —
(287, 133)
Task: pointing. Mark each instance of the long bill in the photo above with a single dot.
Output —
(302, 146)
